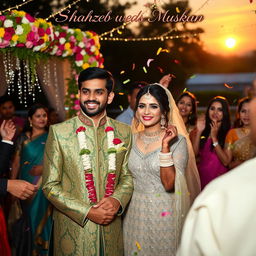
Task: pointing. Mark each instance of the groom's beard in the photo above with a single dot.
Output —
(91, 113)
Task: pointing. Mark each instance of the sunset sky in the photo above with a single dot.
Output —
(223, 19)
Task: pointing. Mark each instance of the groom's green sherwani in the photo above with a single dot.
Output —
(64, 186)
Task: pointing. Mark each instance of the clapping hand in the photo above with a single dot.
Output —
(7, 130)
(200, 124)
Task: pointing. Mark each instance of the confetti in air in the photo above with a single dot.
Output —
(121, 107)
(176, 61)
(133, 66)
(159, 50)
(121, 93)
(185, 90)
(122, 72)
(165, 213)
(119, 32)
(202, 137)
(126, 81)
(145, 70)
(160, 69)
(138, 246)
(177, 10)
(149, 61)
(228, 86)
(192, 76)
(165, 50)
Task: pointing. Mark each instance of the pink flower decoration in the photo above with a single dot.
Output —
(18, 20)
(2, 18)
(41, 32)
(31, 36)
(7, 35)
(79, 57)
(30, 18)
(34, 29)
(61, 47)
(59, 52)
(110, 184)
(76, 107)
(20, 45)
(72, 39)
(89, 183)
(109, 128)
(4, 44)
(72, 96)
(116, 141)
(80, 129)
(63, 34)
(77, 102)
(29, 44)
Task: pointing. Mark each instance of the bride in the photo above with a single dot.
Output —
(158, 161)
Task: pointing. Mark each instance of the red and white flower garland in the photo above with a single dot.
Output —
(113, 145)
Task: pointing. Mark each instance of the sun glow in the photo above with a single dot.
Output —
(230, 42)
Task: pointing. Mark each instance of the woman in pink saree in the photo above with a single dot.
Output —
(208, 140)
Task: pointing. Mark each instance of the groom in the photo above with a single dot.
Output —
(86, 176)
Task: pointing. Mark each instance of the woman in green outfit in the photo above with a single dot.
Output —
(28, 166)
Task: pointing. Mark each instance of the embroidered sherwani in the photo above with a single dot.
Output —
(64, 186)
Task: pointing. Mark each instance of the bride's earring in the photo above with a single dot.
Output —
(162, 122)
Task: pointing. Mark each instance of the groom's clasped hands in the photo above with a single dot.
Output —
(104, 211)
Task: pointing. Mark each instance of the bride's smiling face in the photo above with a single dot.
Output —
(149, 111)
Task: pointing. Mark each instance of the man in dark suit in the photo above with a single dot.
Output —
(19, 188)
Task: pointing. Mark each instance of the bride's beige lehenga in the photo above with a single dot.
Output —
(154, 218)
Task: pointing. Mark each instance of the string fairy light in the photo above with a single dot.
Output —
(162, 38)
(63, 9)
(16, 6)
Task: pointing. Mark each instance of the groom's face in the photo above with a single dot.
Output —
(94, 97)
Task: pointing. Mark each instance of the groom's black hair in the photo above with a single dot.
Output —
(96, 73)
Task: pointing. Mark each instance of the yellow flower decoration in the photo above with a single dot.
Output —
(15, 38)
(85, 66)
(46, 38)
(67, 46)
(2, 32)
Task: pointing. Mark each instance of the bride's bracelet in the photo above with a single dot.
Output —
(165, 159)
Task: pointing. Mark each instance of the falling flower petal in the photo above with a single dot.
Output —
(177, 10)
(160, 69)
(159, 50)
(228, 86)
(163, 214)
(148, 62)
(121, 107)
(145, 70)
(126, 81)
(122, 72)
(121, 93)
(138, 246)
(133, 66)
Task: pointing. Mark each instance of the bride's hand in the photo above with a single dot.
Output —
(170, 134)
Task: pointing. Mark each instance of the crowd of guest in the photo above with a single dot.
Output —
(210, 142)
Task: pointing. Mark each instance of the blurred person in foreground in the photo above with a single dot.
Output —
(222, 219)
(7, 112)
